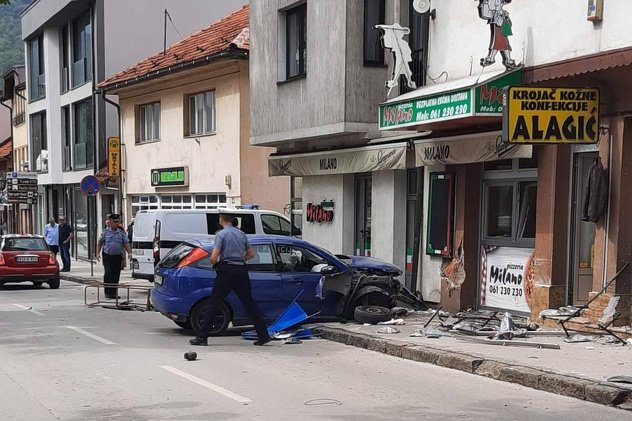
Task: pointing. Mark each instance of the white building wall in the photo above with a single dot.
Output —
(544, 31)
(336, 236)
(388, 217)
(209, 158)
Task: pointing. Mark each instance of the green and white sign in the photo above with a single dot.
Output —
(480, 99)
(165, 177)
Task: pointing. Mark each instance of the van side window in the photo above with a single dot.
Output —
(273, 224)
(245, 222)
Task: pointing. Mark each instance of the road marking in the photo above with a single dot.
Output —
(91, 335)
(208, 385)
(39, 313)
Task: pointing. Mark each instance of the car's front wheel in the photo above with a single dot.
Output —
(53, 283)
(220, 324)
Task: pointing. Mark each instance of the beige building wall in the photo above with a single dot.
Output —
(256, 186)
(210, 158)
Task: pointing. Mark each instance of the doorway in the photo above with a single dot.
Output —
(363, 191)
(582, 233)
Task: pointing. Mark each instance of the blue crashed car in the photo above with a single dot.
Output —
(283, 268)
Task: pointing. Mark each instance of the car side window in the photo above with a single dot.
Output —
(273, 224)
(298, 259)
(263, 260)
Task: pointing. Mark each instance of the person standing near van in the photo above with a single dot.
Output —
(230, 252)
(51, 235)
(112, 242)
(65, 237)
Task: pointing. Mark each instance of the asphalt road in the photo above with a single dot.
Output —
(60, 360)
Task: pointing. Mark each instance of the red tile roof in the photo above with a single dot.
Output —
(6, 148)
(229, 34)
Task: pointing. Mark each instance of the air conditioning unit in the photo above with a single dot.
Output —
(595, 10)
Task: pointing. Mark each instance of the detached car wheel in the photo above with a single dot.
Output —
(371, 314)
(53, 283)
(220, 324)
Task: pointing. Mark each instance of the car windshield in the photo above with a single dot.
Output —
(175, 255)
(24, 244)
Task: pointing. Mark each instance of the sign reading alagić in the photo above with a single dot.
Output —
(551, 115)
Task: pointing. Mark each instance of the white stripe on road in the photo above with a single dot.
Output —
(91, 335)
(39, 313)
(208, 385)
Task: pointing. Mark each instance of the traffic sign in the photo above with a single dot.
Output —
(90, 185)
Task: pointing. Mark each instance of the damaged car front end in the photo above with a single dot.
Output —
(371, 282)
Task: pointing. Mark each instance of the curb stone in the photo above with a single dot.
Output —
(566, 385)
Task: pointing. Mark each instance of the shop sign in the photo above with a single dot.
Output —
(320, 212)
(114, 156)
(551, 115)
(165, 177)
(507, 279)
(478, 99)
(467, 150)
(357, 160)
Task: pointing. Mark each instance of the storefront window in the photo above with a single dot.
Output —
(500, 205)
(296, 211)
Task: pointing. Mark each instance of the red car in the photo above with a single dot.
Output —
(27, 258)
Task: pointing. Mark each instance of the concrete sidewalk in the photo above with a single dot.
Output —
(80, 272)
(577, 370)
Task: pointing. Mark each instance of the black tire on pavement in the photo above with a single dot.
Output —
(371, 314)
(37, 283)
(53, 283)
(184, 325)
(220, 324)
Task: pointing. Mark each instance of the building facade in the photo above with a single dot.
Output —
(501, 226)
(318, 73)
(70, 47)
(20, 216)
(185, 119)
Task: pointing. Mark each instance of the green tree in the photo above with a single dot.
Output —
(11, 44)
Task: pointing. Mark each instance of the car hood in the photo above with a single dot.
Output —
(370, 264)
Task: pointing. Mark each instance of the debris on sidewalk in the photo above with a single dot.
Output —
(393, 322)
(400, 311)
(529, 344)
(387, 329)
(620, 379)
(577, 339)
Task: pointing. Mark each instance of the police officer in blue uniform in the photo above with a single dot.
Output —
(112, 242)
(231, 249)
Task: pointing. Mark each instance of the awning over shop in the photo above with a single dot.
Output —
(480, 147)
(342, 161)
(473, 100)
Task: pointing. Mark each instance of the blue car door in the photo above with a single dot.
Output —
(265, 283)
(300, 271)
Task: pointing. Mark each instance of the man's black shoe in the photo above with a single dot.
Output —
(261, 342)
(199, 341)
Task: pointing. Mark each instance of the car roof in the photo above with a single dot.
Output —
(22, 236)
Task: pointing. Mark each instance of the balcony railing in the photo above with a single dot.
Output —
(19, 119)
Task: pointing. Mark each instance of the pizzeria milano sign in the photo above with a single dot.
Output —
(480, 99)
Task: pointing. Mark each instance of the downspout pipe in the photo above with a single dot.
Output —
(122, 148)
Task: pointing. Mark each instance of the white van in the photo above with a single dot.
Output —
(156, 232)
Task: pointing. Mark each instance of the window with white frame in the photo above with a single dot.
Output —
(210, 201)
(148, 123)
(201, 114)
(176, 201)
(144, 202)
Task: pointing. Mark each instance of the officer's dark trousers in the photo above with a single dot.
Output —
(232, 278)
(112, 272)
